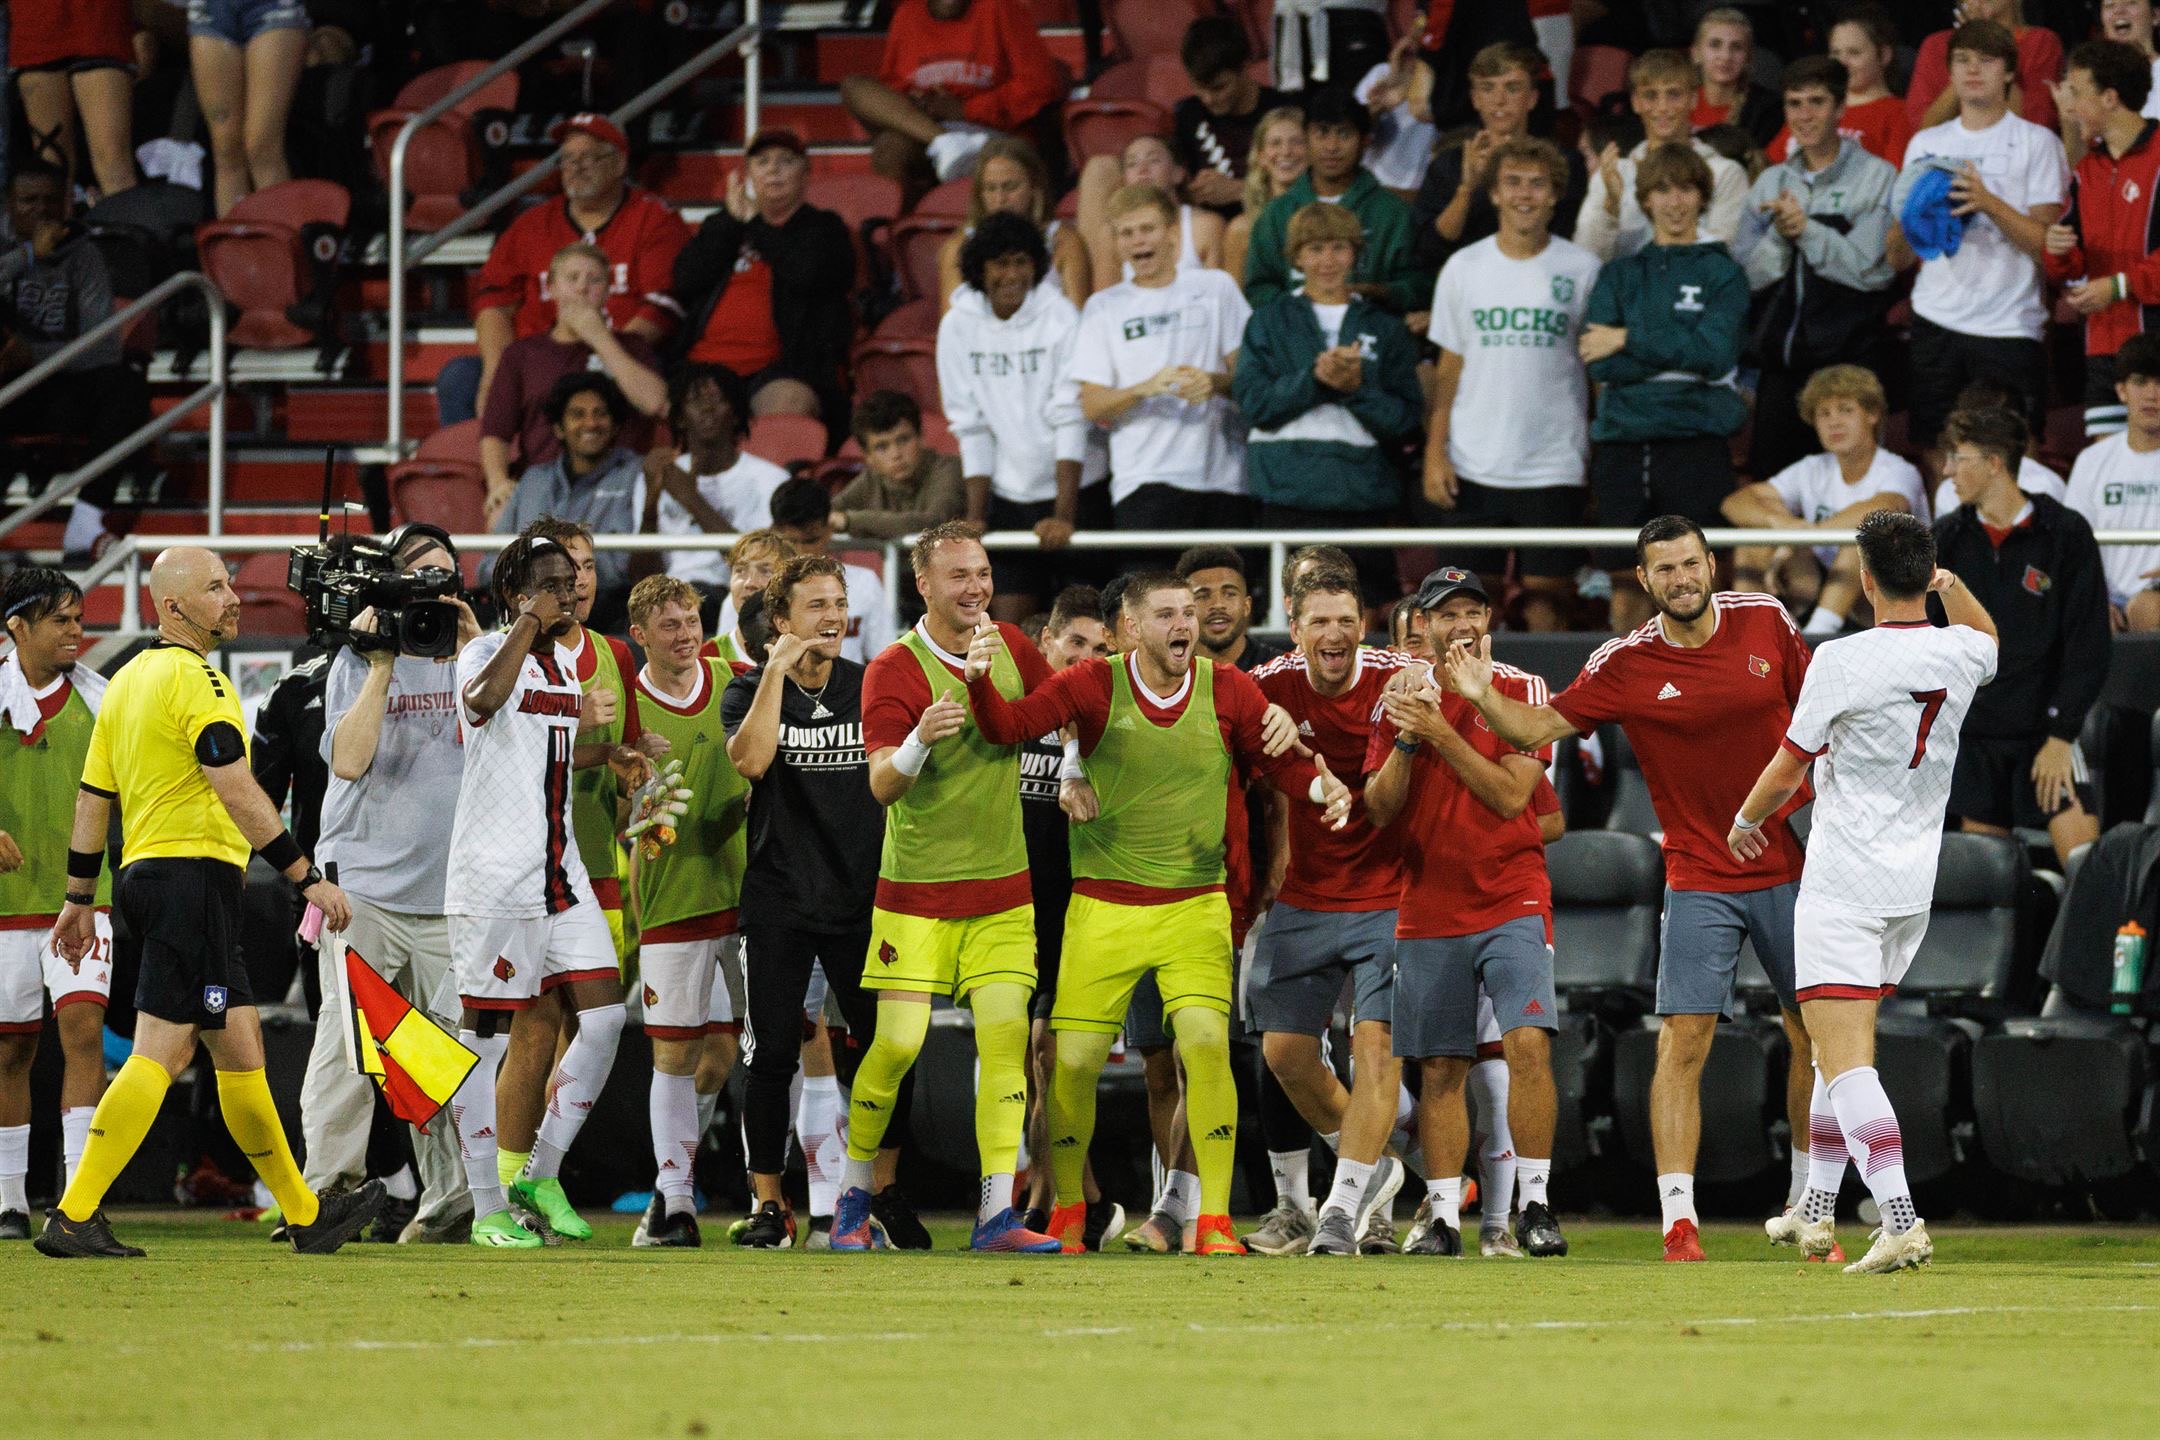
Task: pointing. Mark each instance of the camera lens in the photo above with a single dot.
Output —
(428, 629)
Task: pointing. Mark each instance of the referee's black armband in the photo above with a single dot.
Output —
(220, 744)
(283, 853)
(85, 864)
(88, 788)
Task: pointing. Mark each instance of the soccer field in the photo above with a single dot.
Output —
(2027, 1332)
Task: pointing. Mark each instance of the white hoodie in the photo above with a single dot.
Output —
(1009, 392)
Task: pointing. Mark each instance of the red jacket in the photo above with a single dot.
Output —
(2113, 209)
(992, 57)
(642, 237)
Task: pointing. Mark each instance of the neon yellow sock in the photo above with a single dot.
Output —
(1001, 1038)
(901, 1026)
(117, 1127)
(251, 1115)
(1081, 1055)
(1203, 1043)
(510, 1165)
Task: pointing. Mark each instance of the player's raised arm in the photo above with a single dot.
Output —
(1525, 726)
(1960, 605)
(491, 689)
(1064, 699)
(1297, 773)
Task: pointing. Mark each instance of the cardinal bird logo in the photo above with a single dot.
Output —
(652, 996)
(2037, 580)
(1757, 664)
(503, 968)
(886, 955)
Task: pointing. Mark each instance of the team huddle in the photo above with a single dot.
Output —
(1058, 834)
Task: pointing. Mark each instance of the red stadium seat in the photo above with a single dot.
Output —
(267, 605)
(441, 492)
(950, 198)
(1105, 127)
(1160, 78)
(459, 442)
(917, 319)
(908, 366)
(916, 241)
(1155, 27)
(785, 439)
(937, 435)
(445, 156)
(275, 249)
(1597, 71)
(862, 201)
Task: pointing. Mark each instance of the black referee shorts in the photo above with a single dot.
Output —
(187, 915)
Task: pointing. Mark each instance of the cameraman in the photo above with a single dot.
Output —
(390, 737)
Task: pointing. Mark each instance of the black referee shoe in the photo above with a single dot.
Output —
(337, 1219)
(91, 1239)
(903, 1227)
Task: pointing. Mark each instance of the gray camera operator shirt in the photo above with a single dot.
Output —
(389, 831)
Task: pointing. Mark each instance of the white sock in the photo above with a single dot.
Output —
(1444, 1199)
(1877, 1147)
(817, 1130)
(472, 1110)
(671, 1106)
(1676, 1197)
(578, 1077)
(1181, 1197)
(1351, 1177)
(1797, 1186)
(75, 1135)
(84, 524)
(855, 1175)
(1826, 1157)
(1405, 1108)
(1496, 1154)
(401, 1185)
(1531, 1179)
(1293, 1177)
(707, 1105)
(1824, 621)
(997, 1196)
(1333, 1140)
(14, 1167)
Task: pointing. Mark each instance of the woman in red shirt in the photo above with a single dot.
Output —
(1863, 42)
(74, 60)
(1929, 99)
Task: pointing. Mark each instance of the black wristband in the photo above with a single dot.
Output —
(85, 864)
(282, 853)
(84, 899)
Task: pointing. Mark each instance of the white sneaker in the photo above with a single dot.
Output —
(1895, 1252)
(953, 153)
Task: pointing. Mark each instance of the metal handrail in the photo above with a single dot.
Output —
(212, 393)
(743, 37)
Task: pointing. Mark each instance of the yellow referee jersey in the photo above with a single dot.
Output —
(143, 754)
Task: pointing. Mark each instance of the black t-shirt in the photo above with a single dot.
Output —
(815, 828)
(1048, 832)
(1445, 176)
(1203, 140)
(1257, 653)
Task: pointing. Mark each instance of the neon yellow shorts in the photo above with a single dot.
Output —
(950, 956)
(1109, 946)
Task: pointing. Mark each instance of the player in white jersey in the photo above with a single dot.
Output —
(1878, 716)
(523, 920)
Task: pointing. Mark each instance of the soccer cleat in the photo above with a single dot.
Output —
(1105, 1218)
(390, 1223)
(501, 1231)
(1004, 1234)
(1158, 1233)
(1333, 1234)
(1683, 1242)
(456, 1231)
(1037, 1218)
(674, 1230)
(1287, 1230)
(1538, 1232)
(91, 1239)
(771, 1227)
(1817, 1239)
(1430, 1233)
(1895, 1252)
(820, 1236)
(649, 1221)
(338, 1218)
(1379, 1236)
(559, 1219)
(14, 1225)
(851, 1227)
(1496, 1244)
(1068, 1226)
(903, 1228)
(1212, 1235)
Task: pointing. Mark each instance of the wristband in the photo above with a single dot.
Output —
(2122, 286)
(911, 755)
(1071, 768)
(1408, 747)
(283, 852)
(75, 899)
(1317, 791)
(1741, 822)
(85, 864)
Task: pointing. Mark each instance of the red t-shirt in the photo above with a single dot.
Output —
(894, 695)
(1881, 126)
(992, 58)
(2040, 65)
(740, 333)
(642, 238)
(516, 402)
(46, 32)
(1356, 867)
(1703, 723)
(1079, 695)
(1466, 869)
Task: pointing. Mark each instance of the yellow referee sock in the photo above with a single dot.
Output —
(251, 1115)
(1001, 1037)
(122, 1118)
(510, 1165)
(1203, 1043)
(901, 1026)
(1081, 1055)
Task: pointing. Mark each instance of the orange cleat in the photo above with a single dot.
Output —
(1212, 1235)
(1683, 1242)
(1067, 1224)
(1835, 1257)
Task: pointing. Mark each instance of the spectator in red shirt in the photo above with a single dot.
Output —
(954, 72)
(1929, 100)
(580, 339)
(74, 66)
(639, 232)
(1864, 42)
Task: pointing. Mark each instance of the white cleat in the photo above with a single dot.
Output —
(1498, 1245)
(1895, 1252)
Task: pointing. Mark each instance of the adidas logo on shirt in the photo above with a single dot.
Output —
(1304, 727)
(1670, 692)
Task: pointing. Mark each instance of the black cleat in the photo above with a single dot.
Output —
(677, 1230)
(396, 1215)
(1037, 1219)
(14, 1225)
(90, 1239)
(338, 1218)
(1104, 1219)
(1437, 1238)
(770, 1228)
(1537, 1232)
(903, 1228)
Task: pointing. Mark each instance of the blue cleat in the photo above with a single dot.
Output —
(1004, 1234)
(851, 1227)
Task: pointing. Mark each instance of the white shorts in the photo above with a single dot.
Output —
(1841, 954)
(687, 986)
(30, 970)
(508, 964)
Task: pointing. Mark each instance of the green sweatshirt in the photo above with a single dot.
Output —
(1385, 258)
(1684, 308)
(1314, 447)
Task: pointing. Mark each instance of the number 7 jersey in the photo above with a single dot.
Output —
(1879, 713)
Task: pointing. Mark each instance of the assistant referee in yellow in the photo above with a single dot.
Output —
(170, 749)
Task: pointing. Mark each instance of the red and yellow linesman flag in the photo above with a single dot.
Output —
(415, 1062)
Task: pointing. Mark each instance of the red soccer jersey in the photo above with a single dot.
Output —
(1465, 869)
(895, 693)
(641, 238)
(1703, 722)
(993, 58)
(1881, 126)
(1356, 867)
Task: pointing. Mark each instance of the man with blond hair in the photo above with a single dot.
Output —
(1613, 223)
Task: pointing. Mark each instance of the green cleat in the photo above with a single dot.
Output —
(545, 1199)
(501, 1231)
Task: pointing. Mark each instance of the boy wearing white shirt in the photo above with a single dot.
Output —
(1853, 477)
(712, 487)
(2115, 485)
(1661, 89)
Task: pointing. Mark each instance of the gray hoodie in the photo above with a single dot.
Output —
(57, 298)
(1853, 192)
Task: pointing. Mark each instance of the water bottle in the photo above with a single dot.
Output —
(2129, 968)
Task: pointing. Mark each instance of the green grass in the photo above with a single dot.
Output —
(2023, 1333)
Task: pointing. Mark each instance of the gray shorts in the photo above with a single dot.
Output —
(1699, 946)
(1437, 982)
(1302, 960)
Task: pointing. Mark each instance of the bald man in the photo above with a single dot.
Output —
(170, 748)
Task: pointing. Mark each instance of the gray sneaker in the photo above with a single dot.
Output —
(1379, 1236)
(1287, 1230)
(1333, 1235)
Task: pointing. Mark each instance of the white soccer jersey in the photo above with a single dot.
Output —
(512, 852)
(1879, 712)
